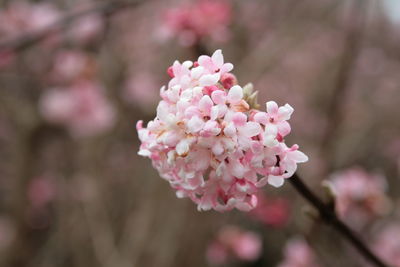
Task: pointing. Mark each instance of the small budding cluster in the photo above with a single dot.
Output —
(210, 142)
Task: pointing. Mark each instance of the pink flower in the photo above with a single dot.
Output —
(204, 18)
(387, 244)
(70, 65)
(86, 29)
(232, 243)
(205, 142)
(41, 192)
(275, 122)
(6, 58)
(298, 253)
(360, 196)
(82, 108)
(141, 89)
(21, 17)
(271, 211)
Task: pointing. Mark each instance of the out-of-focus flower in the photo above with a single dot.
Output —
(22, 17)
(298, 253)
(86, 29)
(233, 243)
(41, 191)
(6, 58)
(210, 144)
(271, 211)
(82, 108)
(360, 196)
(71, 65)
(387, 244)
(140, 88)
(204, 18)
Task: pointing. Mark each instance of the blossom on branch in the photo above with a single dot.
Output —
(359, 196)
(210, 144)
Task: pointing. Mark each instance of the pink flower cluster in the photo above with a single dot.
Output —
(359, 195)
(205, 18)
(210, 144)
(298, 253)
(82, 108)
(233, 243)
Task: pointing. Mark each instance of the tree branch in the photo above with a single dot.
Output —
(27, 40)
(329, 217)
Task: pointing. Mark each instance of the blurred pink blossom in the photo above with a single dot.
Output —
(298, 253)
(21, 17)
(141, 89)
(86, 29)
(69, 65)
(359, 195)
(41, 191)
(387, 244)
(233, 243)
(204, 18)
(82, 108)
(6, 58)
(271, 211)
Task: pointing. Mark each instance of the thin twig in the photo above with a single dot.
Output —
(329, 217)
(27, 40)
(335, 109)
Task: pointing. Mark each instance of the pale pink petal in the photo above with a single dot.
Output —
(230, 130)
(195, 124)
(270, 140)
(285, 112)
(235, 94)
(217, 58)
(298, 156)
(219, 97)
(250, 129)
(239, 119)
(261, 117)
(272, 107)
(284, 128)
(276, 181)
(227, 67)
(205, 104)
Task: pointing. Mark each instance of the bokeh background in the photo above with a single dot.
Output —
(76, 76)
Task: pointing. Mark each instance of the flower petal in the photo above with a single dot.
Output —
(235, 94)
(276, 181)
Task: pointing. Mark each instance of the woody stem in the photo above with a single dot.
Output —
(329, 217)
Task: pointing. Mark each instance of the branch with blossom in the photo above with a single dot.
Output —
(26, 40)
(213, 145)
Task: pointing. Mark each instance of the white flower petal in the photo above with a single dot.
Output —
(276, 181)
(235, 94)
(209, 79)
(218, 58)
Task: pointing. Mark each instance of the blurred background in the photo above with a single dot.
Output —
(76, 76)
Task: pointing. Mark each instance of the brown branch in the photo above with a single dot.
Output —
(335, 110)
(330, 217)
(27, 40)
